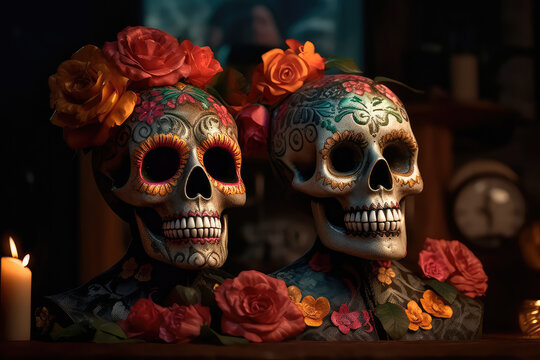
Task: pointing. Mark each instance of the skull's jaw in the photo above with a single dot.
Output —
(207, 248)
(367, 240)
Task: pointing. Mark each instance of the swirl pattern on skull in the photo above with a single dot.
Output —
(346, 142)
(174, 166)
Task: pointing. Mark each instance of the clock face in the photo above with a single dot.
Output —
(488, 209)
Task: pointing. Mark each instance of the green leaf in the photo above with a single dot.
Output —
(112, 329)
(208, 335)
(183, 295)
(74, 332)
(382, 80)
(393, 318)
(446, 291)
(347, 65)
(108, 332)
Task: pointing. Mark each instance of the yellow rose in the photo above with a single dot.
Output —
(89, 97)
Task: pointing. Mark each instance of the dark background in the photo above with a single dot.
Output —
(411, 41)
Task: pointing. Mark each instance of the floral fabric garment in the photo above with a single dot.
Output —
(355, 287)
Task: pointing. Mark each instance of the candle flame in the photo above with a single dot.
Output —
(26, 260)
(13, 248)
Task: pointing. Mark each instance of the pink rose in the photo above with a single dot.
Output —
(144, 320)
(258, 308)
(253, 123)
(203, 66)
(183, 323)
(148, 57)
(465, 271)
(469, 277)
(433, 265)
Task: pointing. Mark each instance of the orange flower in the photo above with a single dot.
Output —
(313, 310)
(145, 273)
(417, 318)
(385, 275)
(294, 293)
(203, 66)
(90, 97)
(435, 305)
(280, 74)
(313, 59)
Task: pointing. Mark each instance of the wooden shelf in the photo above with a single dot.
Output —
(499, 347)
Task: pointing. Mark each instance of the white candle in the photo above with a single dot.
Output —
(15, 297)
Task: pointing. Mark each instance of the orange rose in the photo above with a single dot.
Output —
(281, 73)
(201, 62)
(313, 59)
(435, 305)
(90, 97)
(417, 318)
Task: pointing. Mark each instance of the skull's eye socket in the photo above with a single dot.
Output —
(219, 163)
(160, 160)
(160, 164)
(398, 156)
(221, 158)
(345, 158)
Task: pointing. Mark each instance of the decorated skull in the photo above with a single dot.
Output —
(174, 167)
(346, 142)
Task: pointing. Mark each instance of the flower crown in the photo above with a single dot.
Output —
(281, 73)
(93, 91)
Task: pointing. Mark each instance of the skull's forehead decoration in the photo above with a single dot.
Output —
(346, 141)
(176, 164)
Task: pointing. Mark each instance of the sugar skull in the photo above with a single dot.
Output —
(346, 142)
(173, 167)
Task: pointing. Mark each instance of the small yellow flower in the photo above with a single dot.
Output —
(417, 318)
(44, 319)
(385, 275)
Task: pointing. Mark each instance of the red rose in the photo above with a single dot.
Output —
(320, 262)
(144, 320)
(183, 323)
(433, 265)
(148, 57)
(258, 308)
(465, 270)
(202, 64)
(253, 123)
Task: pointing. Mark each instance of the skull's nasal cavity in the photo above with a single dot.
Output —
(380, 176)
(198, 184)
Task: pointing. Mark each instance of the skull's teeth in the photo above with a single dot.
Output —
(195, 229)
(382, 221)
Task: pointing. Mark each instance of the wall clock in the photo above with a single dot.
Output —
(487, 205)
